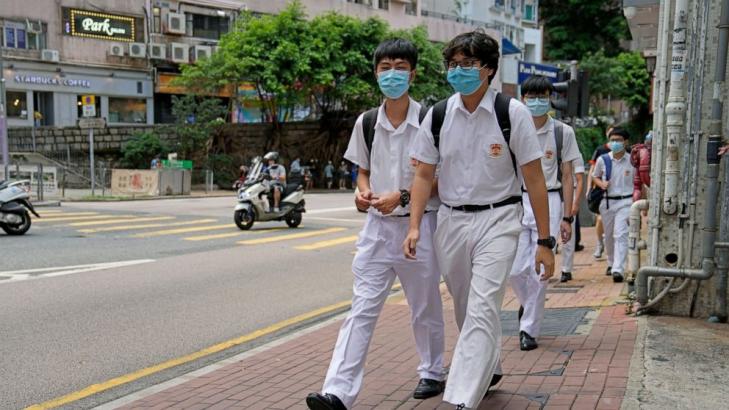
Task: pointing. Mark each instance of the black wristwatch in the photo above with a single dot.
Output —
(568, 219)
(404, 198)
(548, 242)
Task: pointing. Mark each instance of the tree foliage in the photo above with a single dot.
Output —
(138, 152)
(573, 28)
(196, 120)
(622, 77)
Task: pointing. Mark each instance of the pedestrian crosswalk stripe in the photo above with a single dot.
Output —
(146, 226)
(66, 215)
(50, 212)
(122, 220)
(231, 234)
(183, 230)
(290, 236)
(82, 218)
(328, 243)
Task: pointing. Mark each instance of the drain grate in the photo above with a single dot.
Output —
(563, 290)
(557, 322)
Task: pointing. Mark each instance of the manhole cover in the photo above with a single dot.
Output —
(557, 322)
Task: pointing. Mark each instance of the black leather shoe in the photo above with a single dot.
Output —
(495, 379)
(617, 277)
(316, 401)
(527, 342)
(566, 276)
(609, 271)
(520, 314)
(428, 388)
(579, 248)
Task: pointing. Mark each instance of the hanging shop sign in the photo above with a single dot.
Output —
(84, 23)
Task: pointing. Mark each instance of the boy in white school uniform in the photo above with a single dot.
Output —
(482, 141)
(379, 146)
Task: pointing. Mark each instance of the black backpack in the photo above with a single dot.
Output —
(501, 106)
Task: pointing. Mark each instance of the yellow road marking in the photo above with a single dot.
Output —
(128, 378)
(82, 218)
(122, 220)
(326, 244)
(290, 237)
(68, 215)
(145, 226)
(230, 234)
(50, 212)
(184, 230)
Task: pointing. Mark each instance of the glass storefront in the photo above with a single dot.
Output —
(17, 104)
(127, 110)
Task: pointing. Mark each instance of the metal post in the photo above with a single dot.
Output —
(103, 179)
(91, 161)
(39, 181)
(32, 134)
(3, 119)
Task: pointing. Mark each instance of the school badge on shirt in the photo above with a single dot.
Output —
(495, 150)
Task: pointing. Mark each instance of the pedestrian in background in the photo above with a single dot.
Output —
(599, 229)
(343, 175)
(614, 173)
(329, 174)
(383, 191)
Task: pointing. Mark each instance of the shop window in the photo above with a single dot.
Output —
(17, 104)
(210, 27)
(127, 110)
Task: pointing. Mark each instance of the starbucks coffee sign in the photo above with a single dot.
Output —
(84, 23)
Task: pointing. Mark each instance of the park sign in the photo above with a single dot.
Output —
(527, 70)
(104, 26)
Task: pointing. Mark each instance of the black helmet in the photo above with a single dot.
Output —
(273, 155)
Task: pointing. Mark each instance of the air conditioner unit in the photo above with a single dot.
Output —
(33, 26)
(50, 55)
(157, 51)
(180, 53)
(201, 52)
(116, 50)
(137, 50)
(175, 23)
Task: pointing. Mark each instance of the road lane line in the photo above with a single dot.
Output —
(146, 226)
(231, 234)
(27, 274)
(292, 236)
(327, 210)
(81, 218)
(67, 215)
(128, 378)
(328, 243)
(122, 220)
(184, 230)
(321, 218)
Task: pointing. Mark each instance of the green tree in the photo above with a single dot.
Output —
(196, 120)
(137, 153)
(573, 28)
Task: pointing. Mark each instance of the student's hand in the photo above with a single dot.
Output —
(603, 184)
(363, 200)
(575, 208)
(387, 203)
(411, 243)
(544, 257)
(565, 231)
(723, 150)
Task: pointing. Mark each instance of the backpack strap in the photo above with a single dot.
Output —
(559, 138)
(608, 166)
(368, 127)
(423, 113)
(439, 112)
(501, 106)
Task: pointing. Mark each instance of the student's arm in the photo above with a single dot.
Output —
(597, 174)
(364, 194)
(567, 197)
(537, 188)
(578, 193)
(421, 192)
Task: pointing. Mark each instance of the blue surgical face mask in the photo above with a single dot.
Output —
(616, 146)
(537, 106)
(465, 81)
(394, 83)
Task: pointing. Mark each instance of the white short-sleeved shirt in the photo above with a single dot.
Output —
(277, 171)
(389, 164)
(578, 165)
(475, 163)
(548, 142)
(621, 176)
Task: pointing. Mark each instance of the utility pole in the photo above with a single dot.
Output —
(3, 119)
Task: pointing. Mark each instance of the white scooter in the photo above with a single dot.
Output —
(14, 207)
(255, 203)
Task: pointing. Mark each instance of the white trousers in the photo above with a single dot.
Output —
(529, 288)
(475, 252)
(378, 261)
(615, 220)
(568, 251)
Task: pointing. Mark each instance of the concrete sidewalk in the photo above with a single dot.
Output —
(583, 360)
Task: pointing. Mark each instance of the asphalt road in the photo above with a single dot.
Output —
(72, 315)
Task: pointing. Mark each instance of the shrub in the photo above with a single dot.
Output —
(138, 152)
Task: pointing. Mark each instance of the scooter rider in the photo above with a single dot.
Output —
(278, 177)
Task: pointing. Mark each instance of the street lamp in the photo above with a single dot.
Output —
(650, 64)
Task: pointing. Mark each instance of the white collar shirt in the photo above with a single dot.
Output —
(621, 175)
(389, 163)
(548, 142)
(475, 163)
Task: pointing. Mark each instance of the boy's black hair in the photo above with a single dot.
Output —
(397, 48)
(475, 44)
(621, 132)
(537, 84)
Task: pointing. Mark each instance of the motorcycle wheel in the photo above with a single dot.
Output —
(293, 219)
(243, 219)
(18, 229)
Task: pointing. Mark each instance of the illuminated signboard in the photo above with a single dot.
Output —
(91, 24)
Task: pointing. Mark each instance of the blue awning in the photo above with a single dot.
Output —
(507, 47)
